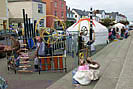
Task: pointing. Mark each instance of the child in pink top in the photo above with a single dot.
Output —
(83, 66)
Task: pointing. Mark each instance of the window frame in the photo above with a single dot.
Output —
(42, 22)
(55, 13)
(40, 8)
(62, 14)
(55, 4)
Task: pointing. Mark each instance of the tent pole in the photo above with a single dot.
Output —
(91, 28)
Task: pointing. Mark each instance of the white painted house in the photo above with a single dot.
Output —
(78, 14)
(101, 14)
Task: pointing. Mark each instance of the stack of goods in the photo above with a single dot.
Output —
(25, 63)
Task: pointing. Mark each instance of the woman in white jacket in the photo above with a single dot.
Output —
(83, 75)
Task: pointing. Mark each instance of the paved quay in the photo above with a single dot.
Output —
(116, 68)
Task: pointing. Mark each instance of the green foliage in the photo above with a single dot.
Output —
(69, 23)
(107, 22)
(124, 22)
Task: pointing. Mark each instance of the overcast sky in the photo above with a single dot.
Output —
(123, 6)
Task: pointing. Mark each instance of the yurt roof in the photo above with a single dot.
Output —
(97, 26)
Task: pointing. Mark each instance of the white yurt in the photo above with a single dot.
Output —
(119, 25)
(101, 32)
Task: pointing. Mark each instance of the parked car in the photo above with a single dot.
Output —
(7, 32)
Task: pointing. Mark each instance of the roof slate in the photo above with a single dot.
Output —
(81, 13)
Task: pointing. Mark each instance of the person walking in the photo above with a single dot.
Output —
(122, 32)
(117, 33)
(126, 33)
(114, 33)
(36, 63)
(40, 51)
(81, 41)
(110, 35)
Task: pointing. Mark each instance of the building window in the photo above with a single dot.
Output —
(41, 23)
(62, 14)
(55, 24)
(55, 4)
(55, 13)
(68, 15)
(72, 15)
(40, 8)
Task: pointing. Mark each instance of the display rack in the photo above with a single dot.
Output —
(24, 64)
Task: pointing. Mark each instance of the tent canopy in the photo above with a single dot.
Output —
(119, 25)
(101, 32)
(97, 27)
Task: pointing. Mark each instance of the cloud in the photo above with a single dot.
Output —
(123, 6)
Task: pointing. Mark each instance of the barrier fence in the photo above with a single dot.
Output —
(52, 63)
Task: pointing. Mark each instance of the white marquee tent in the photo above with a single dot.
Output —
(119, 25)
(101, 32)
(130, 23)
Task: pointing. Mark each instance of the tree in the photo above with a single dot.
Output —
(107, 22)
(69, 23)
(124, 22)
